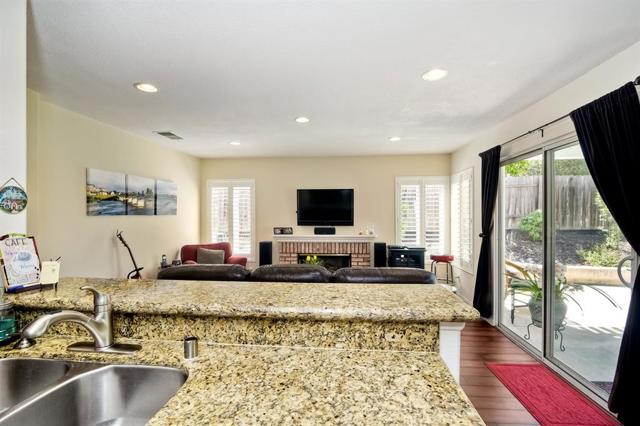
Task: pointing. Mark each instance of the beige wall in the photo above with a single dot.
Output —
(277, 179)
(13, 82)
(604, 78)
(61, 145)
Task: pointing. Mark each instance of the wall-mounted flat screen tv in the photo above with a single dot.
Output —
(325, 207)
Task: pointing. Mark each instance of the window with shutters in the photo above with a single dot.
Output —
(422, 211)
(232, 214)
(462, 219)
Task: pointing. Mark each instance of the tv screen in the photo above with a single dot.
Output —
(331, 207)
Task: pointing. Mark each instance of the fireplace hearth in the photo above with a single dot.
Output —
(339, 250)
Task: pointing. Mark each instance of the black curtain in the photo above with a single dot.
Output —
(609, 134)
(483, 294)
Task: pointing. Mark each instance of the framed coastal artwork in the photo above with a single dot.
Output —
(106, 193)
(141, 196)
(117, 194)
(166, 198)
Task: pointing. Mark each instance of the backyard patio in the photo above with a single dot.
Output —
(591, 336)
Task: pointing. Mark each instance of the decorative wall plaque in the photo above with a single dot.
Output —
(13, 197)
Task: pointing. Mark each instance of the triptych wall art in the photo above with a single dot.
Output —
(119, 194)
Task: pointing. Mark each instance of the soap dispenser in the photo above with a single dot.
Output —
(8, 327)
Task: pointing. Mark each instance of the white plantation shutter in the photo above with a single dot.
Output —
(435, 217)
(232, 214)
(219, 214)
(242, 220)
(462, 219)
(455, 218)
(466, 220)
(422, 212)
(409, 214)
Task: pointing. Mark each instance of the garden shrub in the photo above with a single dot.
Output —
(532, 224)
(524, 168)
(601, 255)
(606, 253)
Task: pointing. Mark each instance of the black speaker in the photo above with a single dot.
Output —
(379, 254)
(266, 253)
(324, 230)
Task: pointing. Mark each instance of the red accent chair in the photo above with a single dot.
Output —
(189, 253)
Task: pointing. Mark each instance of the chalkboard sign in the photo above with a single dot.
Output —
(20, 262)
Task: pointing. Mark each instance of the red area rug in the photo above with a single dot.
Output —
(548, 398)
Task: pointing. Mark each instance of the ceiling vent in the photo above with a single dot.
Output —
(169, 135)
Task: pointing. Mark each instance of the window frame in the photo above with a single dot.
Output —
(230, 184)
(466, 266)
(422, 181)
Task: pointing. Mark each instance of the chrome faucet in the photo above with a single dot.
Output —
(100, 327)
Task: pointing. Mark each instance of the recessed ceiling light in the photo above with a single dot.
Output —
(146, 87)
(302, 120)
(234, 143)
(394, 139)
(435, 74)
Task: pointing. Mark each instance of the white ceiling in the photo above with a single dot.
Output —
(243, 70)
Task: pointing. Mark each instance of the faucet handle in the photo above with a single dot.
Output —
(99, 298)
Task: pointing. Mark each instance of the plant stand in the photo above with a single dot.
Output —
(557, 333)
(515, 303)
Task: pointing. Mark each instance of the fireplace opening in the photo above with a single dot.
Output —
(332, 262)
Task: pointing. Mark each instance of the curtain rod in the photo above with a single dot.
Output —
(541, 128)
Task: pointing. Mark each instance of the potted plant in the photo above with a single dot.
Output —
(313, 260)
(528, 282)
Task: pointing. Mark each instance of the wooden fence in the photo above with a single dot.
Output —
(575, 201)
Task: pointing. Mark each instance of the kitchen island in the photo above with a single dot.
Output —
(282, 353)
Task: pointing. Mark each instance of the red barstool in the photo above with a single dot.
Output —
(442, 258)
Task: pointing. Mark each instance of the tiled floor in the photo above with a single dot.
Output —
(497, 406)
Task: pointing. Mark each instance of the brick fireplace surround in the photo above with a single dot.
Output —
(358, 247)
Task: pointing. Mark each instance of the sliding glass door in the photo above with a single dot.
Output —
(591, 264)
(522, 204)
(565, 267)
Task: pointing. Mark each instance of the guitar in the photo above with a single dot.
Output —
(135, 274)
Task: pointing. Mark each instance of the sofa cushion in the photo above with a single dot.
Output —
(291, 273)
(384, 275)
(210, 257)
(226, 272)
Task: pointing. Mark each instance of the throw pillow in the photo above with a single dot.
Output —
(210, 257)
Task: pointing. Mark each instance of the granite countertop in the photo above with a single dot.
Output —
(266, 385)
(364, 302)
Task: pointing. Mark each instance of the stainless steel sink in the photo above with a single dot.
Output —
(21, 378)
(95, 394)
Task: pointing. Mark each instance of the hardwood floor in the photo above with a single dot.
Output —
(497, 406)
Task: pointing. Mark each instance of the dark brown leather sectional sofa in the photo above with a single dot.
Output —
(298, 273)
